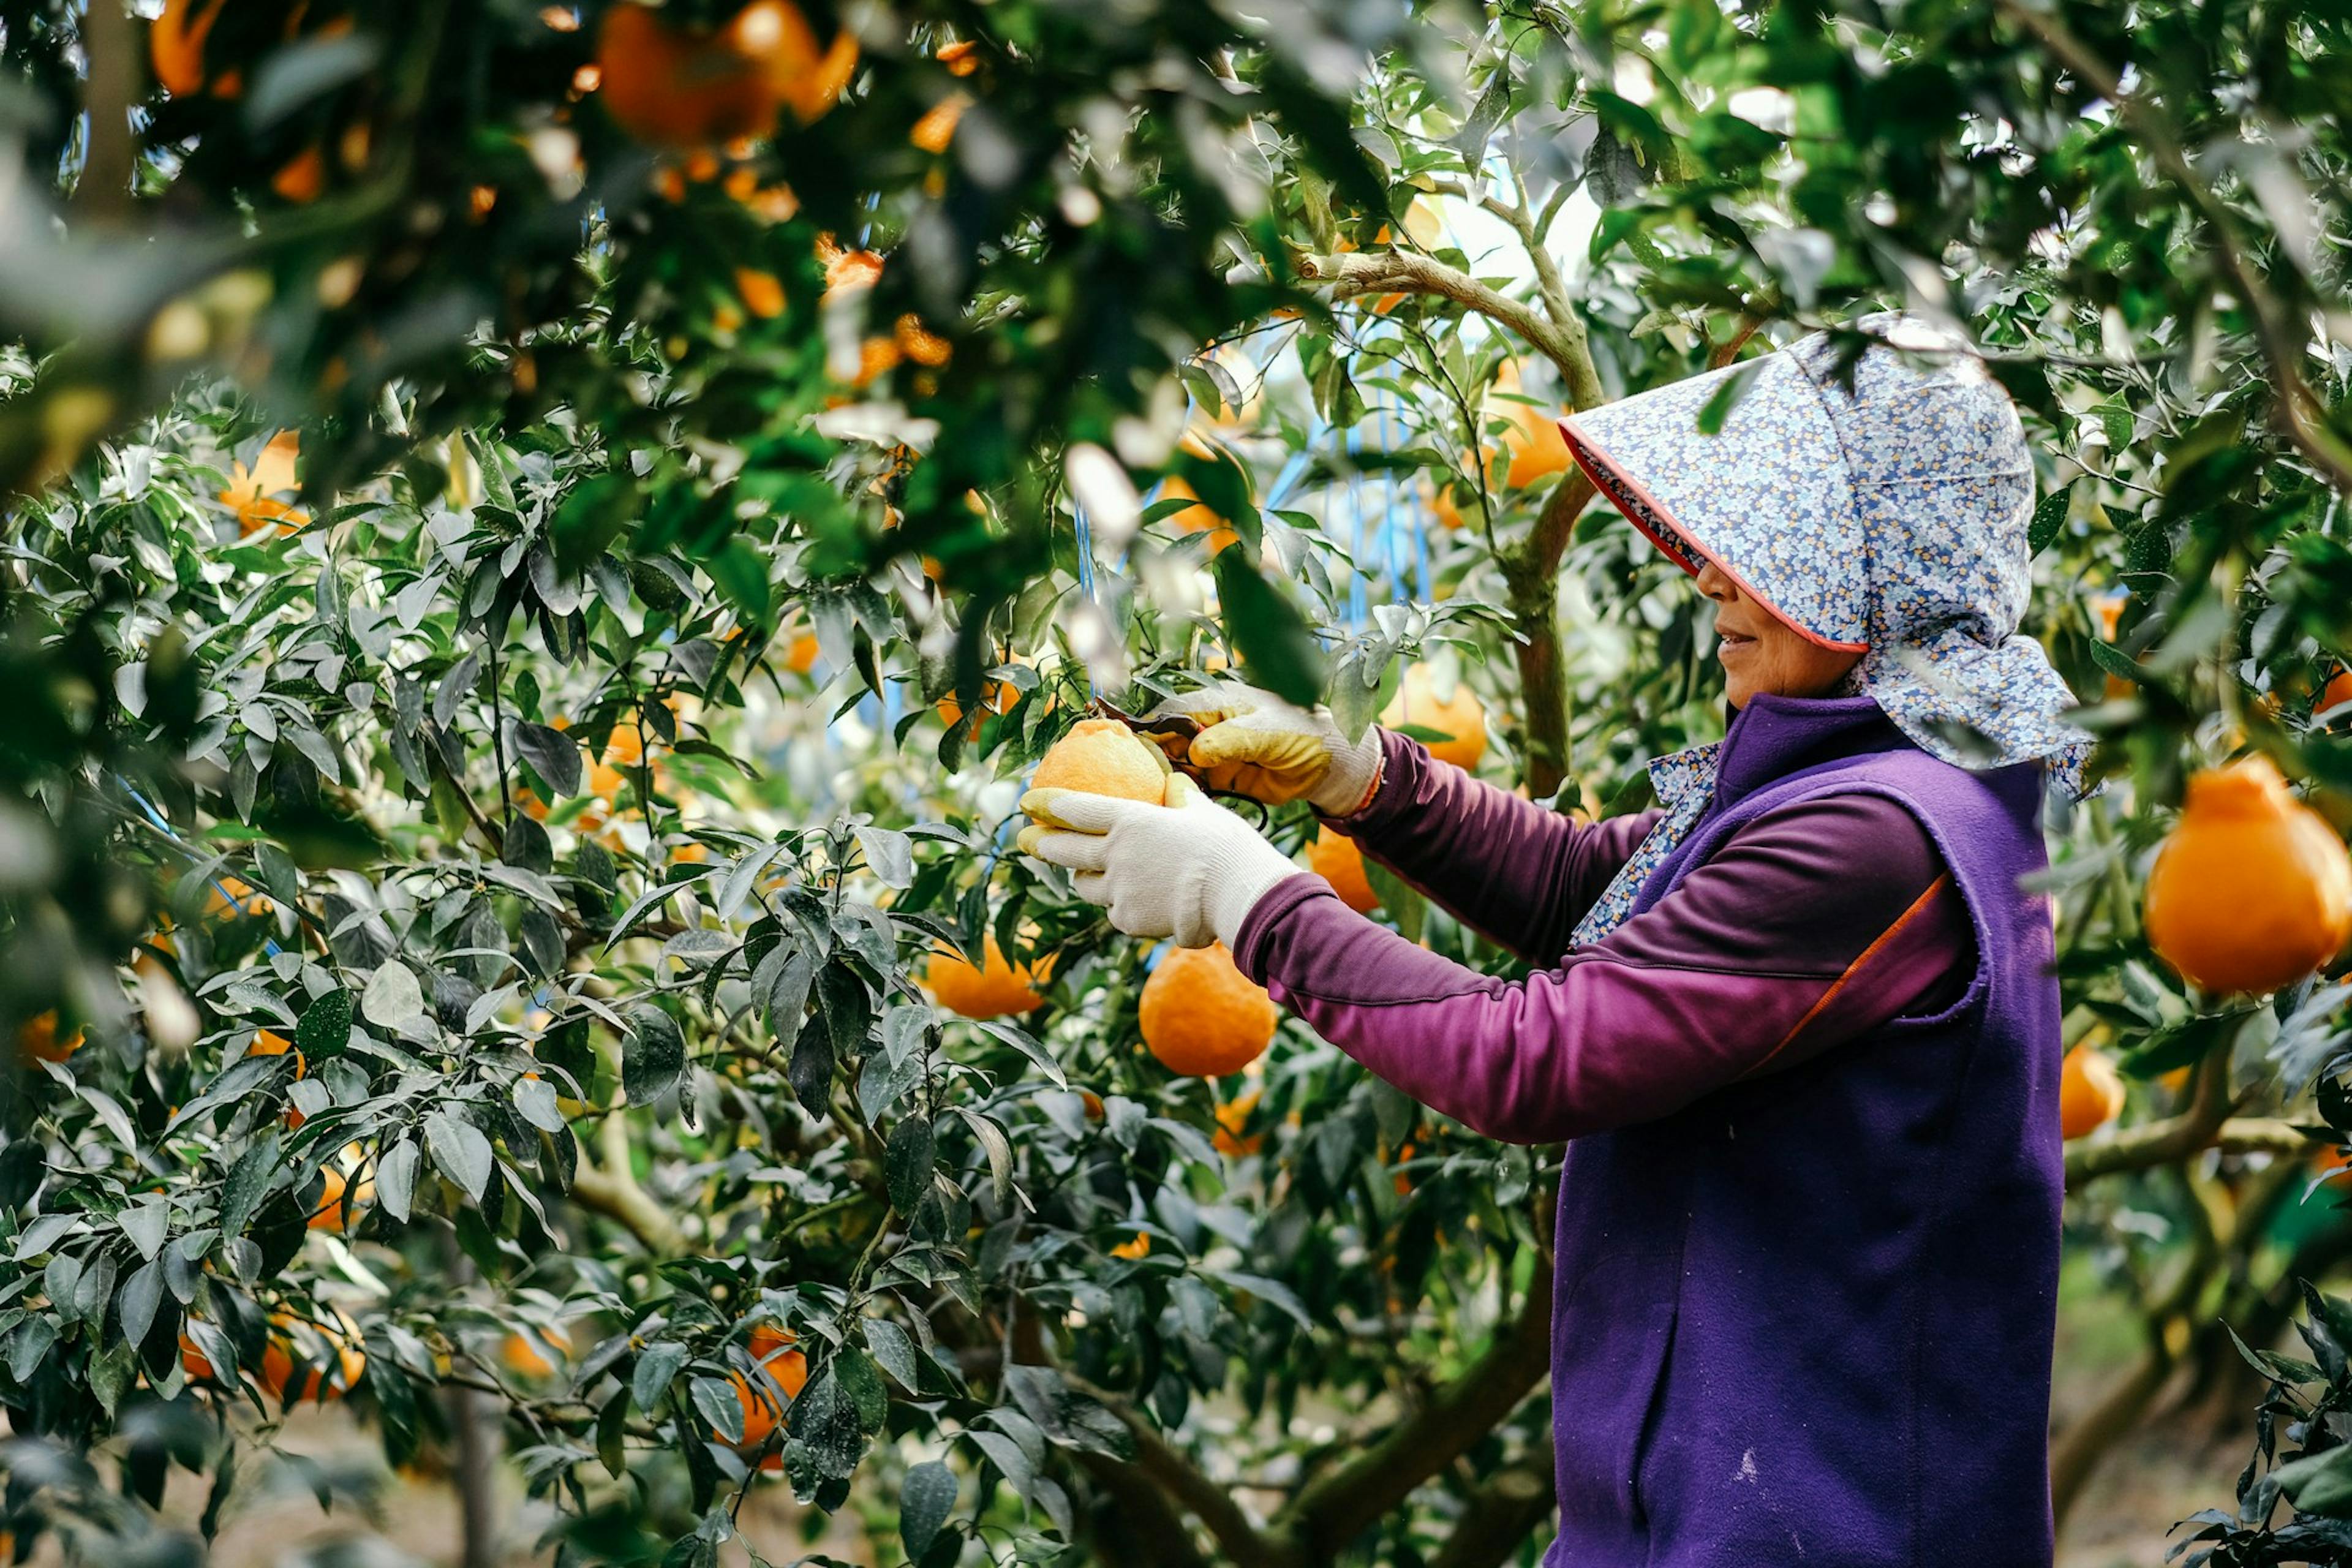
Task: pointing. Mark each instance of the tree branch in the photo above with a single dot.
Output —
(2283, 333)
(2162, 1143)
(1401, 272)
(616, 1195)
(1497, 1519)
(1176, 1475)
(1335, 1506)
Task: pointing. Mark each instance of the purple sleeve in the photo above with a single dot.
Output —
(1520, 874)
(1810, 926)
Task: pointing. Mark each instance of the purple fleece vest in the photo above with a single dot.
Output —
(1808, 1319)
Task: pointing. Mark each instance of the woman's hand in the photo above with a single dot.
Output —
(1254, 744)
(1188, 869)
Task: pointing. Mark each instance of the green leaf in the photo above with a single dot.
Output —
(653, 1054)
(907, 1163)
(812, 1066)
(896, 1351)
(1277, 650)
(925, 1500)
(2049, 518)
(461, 1150)
(651, 1377)
(325, 1031)
(554, 754)
(2319, 1483)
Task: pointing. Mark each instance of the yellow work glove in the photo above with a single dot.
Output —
(1254, 744)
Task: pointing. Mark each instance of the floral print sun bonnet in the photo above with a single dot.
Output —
(1889, 520)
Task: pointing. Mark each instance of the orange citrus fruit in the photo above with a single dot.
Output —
(990, 991)
(317, 1345)
(252, 493)
(1203, 1017)
(175, 45)
(1335, 858)
(673, 88)
(762, 292)
(329, 1213)
(2090, 1092)
(1103, 756)
(38, 1040)
(2337, 693)
(1461, 718)
(534, 1354)
(1233, 1118)
(1139, 1245)
(2253, 890)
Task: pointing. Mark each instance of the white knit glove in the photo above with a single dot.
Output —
(1188, 869)
(1254, 744)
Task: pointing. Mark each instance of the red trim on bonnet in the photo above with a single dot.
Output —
(1593, 459)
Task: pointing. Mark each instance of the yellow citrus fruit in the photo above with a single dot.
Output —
(1461, 718)
(992, 989)
(1203, 1017)
(1335, 858)
(1103, 756)
(2090, 1092)
(38, 1040)
(2253, 890)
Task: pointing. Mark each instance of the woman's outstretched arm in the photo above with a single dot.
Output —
(1810, 926)
(1517, 872)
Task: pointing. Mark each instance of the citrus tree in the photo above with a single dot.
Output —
(545, 541)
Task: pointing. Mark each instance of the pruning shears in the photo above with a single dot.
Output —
(1172, 733)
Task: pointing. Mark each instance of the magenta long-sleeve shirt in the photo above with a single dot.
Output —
(1810, 926)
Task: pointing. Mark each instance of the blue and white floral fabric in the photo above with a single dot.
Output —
(1889, 519)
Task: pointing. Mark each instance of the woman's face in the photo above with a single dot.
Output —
(1762, 653)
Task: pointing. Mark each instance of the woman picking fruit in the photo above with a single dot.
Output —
(1797, 1022)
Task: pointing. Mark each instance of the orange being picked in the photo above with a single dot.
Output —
(992, 989)
(2253, 890)
(1461, 718)
(2090, 1092)
(38, 1040)
(1103, 756)
(1335, 858)
(1203, 1017)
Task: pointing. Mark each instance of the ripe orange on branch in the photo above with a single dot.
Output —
(1459, 717)
(994, 989)
(1202, 1016)
(1335, 858)
(2253, 891)
(2090, 1092)
(38, 1040)
(683, 89)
